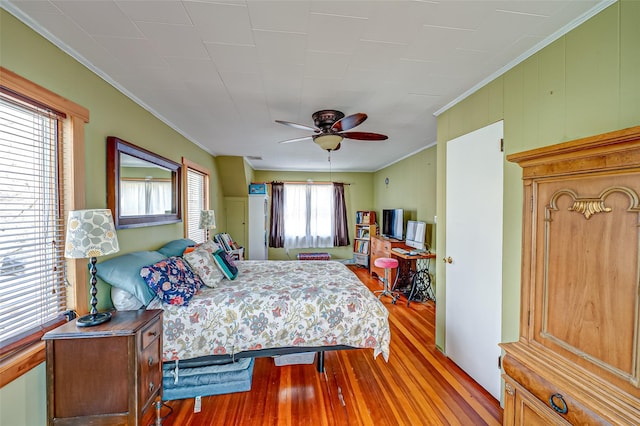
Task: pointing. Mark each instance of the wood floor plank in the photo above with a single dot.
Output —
(418, 386)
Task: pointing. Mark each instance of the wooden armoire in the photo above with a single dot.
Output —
(577, 360)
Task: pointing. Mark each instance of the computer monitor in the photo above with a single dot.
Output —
(415, 234)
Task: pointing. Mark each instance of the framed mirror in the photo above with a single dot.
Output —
(143, 189)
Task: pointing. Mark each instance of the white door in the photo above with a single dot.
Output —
(474, 244)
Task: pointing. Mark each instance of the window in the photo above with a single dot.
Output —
(197, 190)
(32, 264)
(41, 178)
(308, 215)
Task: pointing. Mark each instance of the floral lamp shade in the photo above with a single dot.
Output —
(207, 219)
(90, 233)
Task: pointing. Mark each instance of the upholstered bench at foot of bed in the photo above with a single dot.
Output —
(189, 382)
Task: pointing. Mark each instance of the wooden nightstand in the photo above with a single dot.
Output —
(108, 374)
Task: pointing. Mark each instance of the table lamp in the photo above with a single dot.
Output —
(90, 233)
(207, 222)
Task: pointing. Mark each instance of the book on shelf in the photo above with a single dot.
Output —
(361, 246)
(225, 242)
(363, 233)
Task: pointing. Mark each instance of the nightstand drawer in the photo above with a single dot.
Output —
(151, 333)
(150, 372)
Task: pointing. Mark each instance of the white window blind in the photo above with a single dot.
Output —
(32, 264)
(196, 202)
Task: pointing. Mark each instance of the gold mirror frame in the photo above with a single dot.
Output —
(116, 147)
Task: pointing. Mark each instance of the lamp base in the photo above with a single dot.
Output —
(93, 319)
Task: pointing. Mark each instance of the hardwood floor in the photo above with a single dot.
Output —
(418, 386)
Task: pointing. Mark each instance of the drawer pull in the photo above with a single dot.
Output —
(562, 409)
(151, 386)
(150, 361)
(153, 333)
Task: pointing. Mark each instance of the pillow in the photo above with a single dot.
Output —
(124, 272)
(201, 262)
(211, 247)
(172, 280)
(124, 301)
(226, 265)
(189, 249)
(176, 247)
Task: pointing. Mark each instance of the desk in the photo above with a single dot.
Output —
(414, 275)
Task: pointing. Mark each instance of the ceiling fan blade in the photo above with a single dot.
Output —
(304, 138)
(298, 126)
(364, 136)
(349, 122)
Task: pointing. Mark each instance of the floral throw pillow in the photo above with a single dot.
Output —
(209, 246)
(201, 261)
(172, 280)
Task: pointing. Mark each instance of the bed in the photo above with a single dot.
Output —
(270, 308)
(277, 305)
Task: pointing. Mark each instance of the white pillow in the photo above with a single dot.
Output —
(124, 301)
(201, 262)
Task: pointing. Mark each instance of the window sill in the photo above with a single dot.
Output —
(21, 362)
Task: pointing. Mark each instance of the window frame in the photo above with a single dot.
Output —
(73, 168)
(186, 165)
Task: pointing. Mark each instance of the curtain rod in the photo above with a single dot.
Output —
(304, 182)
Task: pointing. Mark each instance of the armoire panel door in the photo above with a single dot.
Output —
(590, 223)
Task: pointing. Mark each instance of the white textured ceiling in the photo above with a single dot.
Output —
(221, 72)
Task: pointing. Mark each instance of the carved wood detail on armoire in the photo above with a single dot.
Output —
(577, 360)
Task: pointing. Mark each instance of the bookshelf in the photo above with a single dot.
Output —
(365, 229)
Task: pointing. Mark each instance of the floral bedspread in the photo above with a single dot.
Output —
(273, 304)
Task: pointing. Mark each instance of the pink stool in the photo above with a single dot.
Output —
(387, 263)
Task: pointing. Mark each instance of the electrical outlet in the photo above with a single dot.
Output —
(197, 406)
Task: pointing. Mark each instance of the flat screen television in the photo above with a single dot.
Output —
(393, 223)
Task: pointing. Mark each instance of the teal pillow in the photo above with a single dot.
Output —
(225, 264)
(124, 272)
(176, 247)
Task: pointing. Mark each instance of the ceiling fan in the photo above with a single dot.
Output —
(331, 127)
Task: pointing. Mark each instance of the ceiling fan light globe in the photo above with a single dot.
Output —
(328, 142)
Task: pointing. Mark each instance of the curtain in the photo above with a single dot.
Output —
(276, 228)
(145, 197)
(341, 229)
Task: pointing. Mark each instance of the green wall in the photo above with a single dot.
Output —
(358, 196)
(23, 402)
(583, 84)
(412, 187)
(26, 53)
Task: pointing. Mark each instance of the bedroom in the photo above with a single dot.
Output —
(596, 99)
